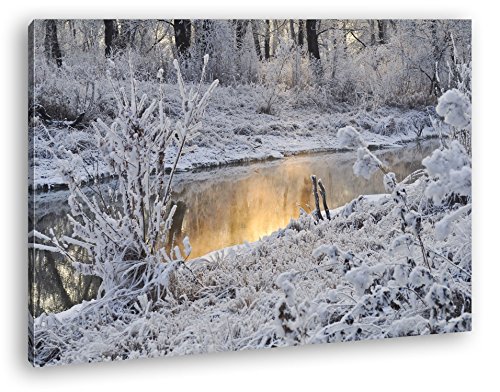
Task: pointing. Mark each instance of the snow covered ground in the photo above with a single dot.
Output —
(346, 279)
(391, 265)
(233, 131)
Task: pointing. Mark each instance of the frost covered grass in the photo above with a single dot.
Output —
(383, 266)
(353, 277)
(236, 129)
(235, 132)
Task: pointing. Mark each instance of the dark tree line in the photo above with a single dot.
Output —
(117, 35)
(116, 38)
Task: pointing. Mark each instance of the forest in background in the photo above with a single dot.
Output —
(286, 63)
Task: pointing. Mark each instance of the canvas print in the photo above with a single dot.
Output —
(201, 186)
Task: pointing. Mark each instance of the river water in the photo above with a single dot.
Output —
(218, 208)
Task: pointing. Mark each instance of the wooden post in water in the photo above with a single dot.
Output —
(323, 196)
(317, 211)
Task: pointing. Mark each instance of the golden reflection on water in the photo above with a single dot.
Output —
(227, 210)
(217, 208)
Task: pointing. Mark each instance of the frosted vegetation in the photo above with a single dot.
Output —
(388, 265)
(277, 95)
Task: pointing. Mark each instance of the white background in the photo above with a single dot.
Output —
(455, 362)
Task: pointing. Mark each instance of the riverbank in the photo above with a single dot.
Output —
(243, 136)
(220, 207)
(349, 278)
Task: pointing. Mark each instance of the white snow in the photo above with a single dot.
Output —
(279, 291)
(234, 132)
(450, 172)
(455, 107)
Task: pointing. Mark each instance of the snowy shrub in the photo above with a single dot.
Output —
(361, 278)
(335, 256)
(402, 245)
(440, 300)
(124, 226)
(349, 137)
(287, 313)
(366, 163)
(454, 105)
(389, 182)
(450, 172)
(273, 80)
(410, 326)
(455, 108)
(444, 226)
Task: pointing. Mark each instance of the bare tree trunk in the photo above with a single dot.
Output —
(52, 49)
(256, 41)
(182, 32)
(313, 48)
(275, 34)
(267, 40)
(110, 35)
(373, 39)
(241, 30)
(127, 33)
(317, 212)
(301, 33)
(203, 35)
(435, 88)
(293, 36)
(312, 39)
(394, 25)
(382, 39)
(72, 28)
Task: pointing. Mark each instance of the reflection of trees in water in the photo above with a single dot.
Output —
(237, 209)
(229, 206)
(54, 285)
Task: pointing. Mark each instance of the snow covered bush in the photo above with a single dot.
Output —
(273, 78)
(455, 108)
(427, 269)
(366, 163)
(455, 103)
(350, 137)
(450, 173)
(124, 224)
